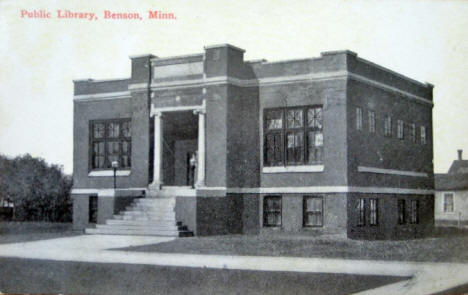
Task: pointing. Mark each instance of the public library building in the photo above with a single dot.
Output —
(210, 144)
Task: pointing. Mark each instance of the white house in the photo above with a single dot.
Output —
(451, 198)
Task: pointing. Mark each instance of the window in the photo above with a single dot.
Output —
(361, 210)
(423, 135)
(414, 212)
(272, 211)
(413, 132)
(110, 141)
(401, 212)
(373, 217)
(371, 115)
(358, 118)
(388, 126)
(92, 207)
(400, 129)
(293, 136)
(313, 211)
(448, 202)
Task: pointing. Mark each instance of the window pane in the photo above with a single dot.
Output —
(98, 130)
(113, 147)
(113, 130)
(98, 148)
(294, 118)
(401, 211)
(125, 147)
(413, 132)
(448, 202)
(423, 134)
(371, 122)
(274, 119)
(358, 118)
(373, 212)
(125, 161)
(400, 129)
(273, 149)
(388, 126)
(361, 212)
(414, 211)
(315, 147)
(126, 129)
(295, 142)
(314, 117)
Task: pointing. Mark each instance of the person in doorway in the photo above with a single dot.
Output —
(193, 168)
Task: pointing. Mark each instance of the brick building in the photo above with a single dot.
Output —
(218, 145)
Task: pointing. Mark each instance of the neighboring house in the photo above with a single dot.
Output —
(451, 199)
(216, 145)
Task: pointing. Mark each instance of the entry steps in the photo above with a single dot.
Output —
(145, 217)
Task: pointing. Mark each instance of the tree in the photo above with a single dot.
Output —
(39, 191)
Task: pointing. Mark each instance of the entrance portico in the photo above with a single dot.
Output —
(161, 185)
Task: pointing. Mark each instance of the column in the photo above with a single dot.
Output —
(157, 159)
(201, 149)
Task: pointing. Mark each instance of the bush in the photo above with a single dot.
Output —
(39, 191)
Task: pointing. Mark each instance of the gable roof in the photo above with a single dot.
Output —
(458, 166)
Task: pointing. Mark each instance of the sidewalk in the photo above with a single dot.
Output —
(426, 277)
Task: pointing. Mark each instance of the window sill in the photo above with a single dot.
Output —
(109, 173)
(288, 169)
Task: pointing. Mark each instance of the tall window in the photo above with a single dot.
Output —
(293, 136)
(423, 135)
(401, 211)
(371, 115)
(373, 208)
(358, 118)
(413, 132)
(414, 211)
(313, 211)
(388, 126)
(110, 141)
(400, 129)
(361, 212)
(92, 209)
(272, 211)
(448, 202)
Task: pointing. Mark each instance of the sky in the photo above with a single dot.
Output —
(424, 40)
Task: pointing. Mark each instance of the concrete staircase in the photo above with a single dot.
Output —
(146, 216)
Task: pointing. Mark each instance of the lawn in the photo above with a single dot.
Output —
(16, 232)
(52, 277)
(450, 247)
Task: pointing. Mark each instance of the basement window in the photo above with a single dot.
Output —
(272, 211)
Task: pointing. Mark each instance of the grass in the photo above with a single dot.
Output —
(53, 277)
(17, 232)
(445, 248)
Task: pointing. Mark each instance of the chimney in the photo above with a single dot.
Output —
(460, 154)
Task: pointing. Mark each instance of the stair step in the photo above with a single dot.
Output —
(106, 231)
(149, 208)
(148, 214)
(143, 222)
(141, 227)
(156, 201)
(148, 218)
(159, 210)
(153, 217)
